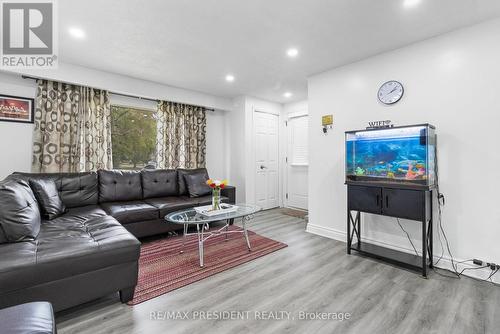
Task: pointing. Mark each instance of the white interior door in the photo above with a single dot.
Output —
(266, 160)
(297, 162)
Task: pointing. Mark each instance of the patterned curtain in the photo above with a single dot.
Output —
(181, 138)
(55, 137)
(95, 130)
(72, 129)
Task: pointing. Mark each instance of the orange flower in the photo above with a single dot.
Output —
(216, 184)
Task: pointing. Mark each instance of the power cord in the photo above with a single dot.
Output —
(491, 275)
(457, 274)
(441, 203)
(454, 264)
(408, 236)
(439, 232)
(475, 268)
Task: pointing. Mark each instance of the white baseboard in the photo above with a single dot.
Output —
(326, 232)
(444, 263)
(294, 208)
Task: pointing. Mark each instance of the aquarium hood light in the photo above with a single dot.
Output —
(387, 133)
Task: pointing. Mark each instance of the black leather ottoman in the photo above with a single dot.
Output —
(36, 317)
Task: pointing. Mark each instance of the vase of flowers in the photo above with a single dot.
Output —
(216, 186)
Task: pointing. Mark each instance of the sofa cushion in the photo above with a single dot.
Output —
(159, 183)
(167, 205)
(75, 189)
(80, 241)
(131, 212)
(19, 213)
(81, 214)
(46, 193)
(183, 190)
(36, 317)
(197, 184)
(117, 185)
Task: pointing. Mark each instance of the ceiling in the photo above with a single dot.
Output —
(194, 44)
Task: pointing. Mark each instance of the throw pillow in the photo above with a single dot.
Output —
(183, 190)
(197, 184)
(46, 194)
(19, 214)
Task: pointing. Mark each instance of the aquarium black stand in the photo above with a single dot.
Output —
(413, 203)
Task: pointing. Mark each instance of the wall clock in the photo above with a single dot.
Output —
(390, 92)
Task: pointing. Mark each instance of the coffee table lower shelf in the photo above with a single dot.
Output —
(402, 259)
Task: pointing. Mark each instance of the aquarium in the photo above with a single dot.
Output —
(403, 154)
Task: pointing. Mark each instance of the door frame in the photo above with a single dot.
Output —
(252, 156)
(289, 116)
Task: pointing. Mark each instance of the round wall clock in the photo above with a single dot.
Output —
(390, 92)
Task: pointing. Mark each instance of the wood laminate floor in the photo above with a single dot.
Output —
(313, 274)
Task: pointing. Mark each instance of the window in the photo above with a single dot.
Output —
(133, 135)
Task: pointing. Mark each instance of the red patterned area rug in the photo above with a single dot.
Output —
(162, 268)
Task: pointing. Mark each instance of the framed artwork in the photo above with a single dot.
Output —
(16, 109)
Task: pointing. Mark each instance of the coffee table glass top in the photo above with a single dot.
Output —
(190, 216)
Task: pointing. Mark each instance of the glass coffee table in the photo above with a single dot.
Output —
(189, 217)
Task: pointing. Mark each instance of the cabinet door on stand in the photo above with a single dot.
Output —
(403, 203)
(366, 199)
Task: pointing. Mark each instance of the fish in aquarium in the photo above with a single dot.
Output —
(395, 154)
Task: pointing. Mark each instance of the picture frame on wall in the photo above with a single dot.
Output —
(16, 109)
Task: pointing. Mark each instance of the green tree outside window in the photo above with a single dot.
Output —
(133, 135)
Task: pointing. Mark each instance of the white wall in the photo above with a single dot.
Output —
(16, 138)
(452, 82)
(236, 126)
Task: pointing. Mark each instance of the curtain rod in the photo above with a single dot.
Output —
(114, 93)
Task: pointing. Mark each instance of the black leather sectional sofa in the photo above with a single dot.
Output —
(91, 250)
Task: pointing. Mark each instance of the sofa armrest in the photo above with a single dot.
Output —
(229, 192)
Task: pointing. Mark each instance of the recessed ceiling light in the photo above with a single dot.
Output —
(287, 95)
(292, 52)
(229, 78)
(410, 3)
(77, 32)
